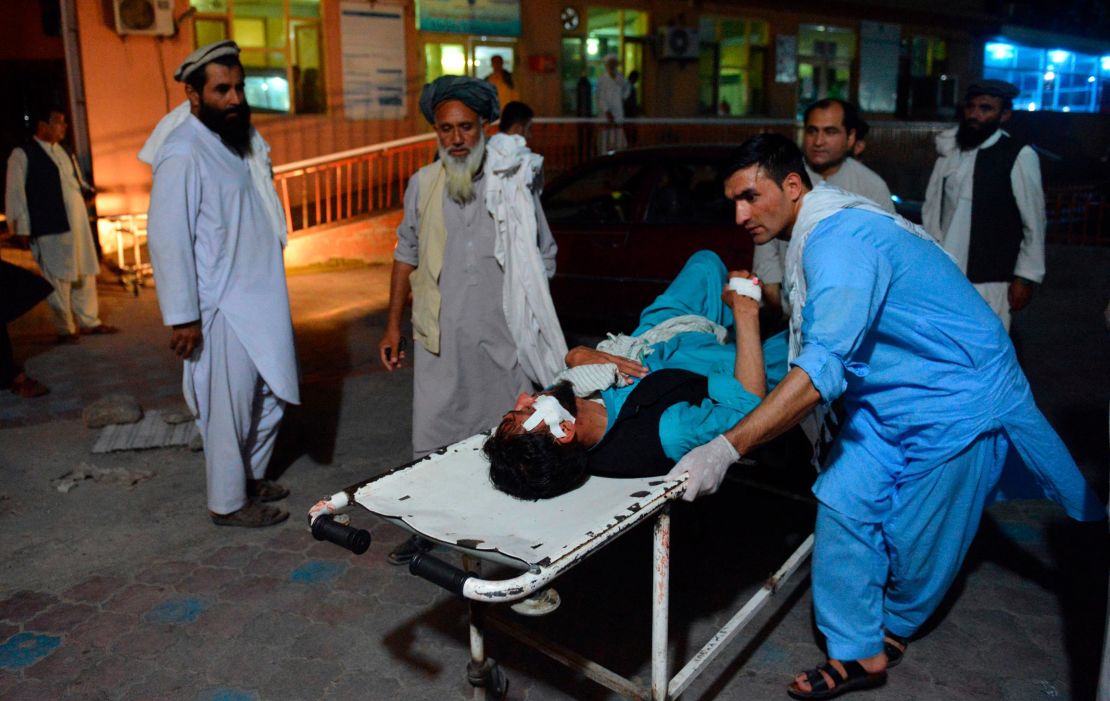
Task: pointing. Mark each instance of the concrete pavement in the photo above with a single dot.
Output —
(110, 592)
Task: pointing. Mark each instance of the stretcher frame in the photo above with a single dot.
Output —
(481, 594)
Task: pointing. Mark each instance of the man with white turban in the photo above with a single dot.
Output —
(475, 251)
(216, 234)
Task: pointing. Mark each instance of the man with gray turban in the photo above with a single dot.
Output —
(475, 251)
(216, 235)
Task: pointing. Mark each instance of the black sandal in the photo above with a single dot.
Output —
(894, 653)
(858, 678)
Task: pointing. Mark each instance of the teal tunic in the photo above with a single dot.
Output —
(684, 426)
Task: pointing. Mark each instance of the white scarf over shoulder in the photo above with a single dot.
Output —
(262, 174)
(526, 297)
(819, 204)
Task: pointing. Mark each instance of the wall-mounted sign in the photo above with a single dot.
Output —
(372, 36)
(488, 17)
(786, 58)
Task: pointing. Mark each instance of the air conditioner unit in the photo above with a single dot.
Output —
(150, 17)
(679, 43)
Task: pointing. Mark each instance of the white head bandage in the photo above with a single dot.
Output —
(548, 410)
(747, 287)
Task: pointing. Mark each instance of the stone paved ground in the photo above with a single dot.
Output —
(111, 592)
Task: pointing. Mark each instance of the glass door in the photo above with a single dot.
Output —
(481, 53)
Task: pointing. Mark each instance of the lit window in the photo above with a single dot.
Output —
(1056, 80)
(281, 49)
(825, 55)
(608, 30)
(732, 55)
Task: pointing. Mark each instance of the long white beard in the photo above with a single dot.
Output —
(461, 171)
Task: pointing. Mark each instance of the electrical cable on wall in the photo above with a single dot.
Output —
(159, 45)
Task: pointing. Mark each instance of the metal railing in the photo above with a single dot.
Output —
(349, 185)
(356, 184)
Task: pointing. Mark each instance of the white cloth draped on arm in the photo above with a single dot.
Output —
(262, 172)
(513, 170)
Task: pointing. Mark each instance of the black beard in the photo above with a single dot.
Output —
(235, 133)
(564, 393)
(969, 137)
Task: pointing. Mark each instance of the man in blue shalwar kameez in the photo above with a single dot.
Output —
(937, 409)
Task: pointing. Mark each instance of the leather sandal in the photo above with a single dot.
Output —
(266, 490)
(895, 648)
(28, 387)
(858, 679)
(253, 515)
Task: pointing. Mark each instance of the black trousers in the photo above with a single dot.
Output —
(8, 370)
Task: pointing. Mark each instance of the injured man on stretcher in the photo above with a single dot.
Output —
(635, 405)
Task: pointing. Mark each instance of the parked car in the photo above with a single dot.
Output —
(627, 221)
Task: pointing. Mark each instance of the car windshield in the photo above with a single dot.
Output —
(604, 195)
(689, 193)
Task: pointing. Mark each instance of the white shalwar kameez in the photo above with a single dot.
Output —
(946, 213)
(612, 91)
(217, 257)
(67, 260)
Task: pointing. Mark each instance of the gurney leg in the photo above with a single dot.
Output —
(482, 672)
(660, 604)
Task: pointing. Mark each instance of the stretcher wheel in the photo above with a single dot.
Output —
(489, 676)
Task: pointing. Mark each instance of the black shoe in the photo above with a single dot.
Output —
(404, 552)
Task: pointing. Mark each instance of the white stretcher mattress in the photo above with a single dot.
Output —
(448, 497)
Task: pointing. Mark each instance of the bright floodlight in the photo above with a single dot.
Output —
(1002, 52)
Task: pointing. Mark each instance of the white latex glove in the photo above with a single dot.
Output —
(706, 466)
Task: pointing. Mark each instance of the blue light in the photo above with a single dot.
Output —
(1005, 52)
(896, 199)
(1105, 63)
(1032, 107)
(1058, 56)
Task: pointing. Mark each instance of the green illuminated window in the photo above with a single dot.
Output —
(282, 49)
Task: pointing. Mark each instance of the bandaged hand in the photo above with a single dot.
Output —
(706, 466)
(581, 355)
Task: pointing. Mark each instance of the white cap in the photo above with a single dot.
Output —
(203, 56)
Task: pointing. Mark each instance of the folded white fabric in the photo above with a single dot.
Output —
(638, 347)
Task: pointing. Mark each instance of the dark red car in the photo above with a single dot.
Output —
(627, 221)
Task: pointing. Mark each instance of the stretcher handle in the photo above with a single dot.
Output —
(357, 540)
(439, 572)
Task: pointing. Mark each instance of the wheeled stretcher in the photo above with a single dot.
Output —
(446, 497)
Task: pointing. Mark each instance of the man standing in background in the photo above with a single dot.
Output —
(612, 91)
(985, 203)
(503, 81)
(832, 131)
(45, 199)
